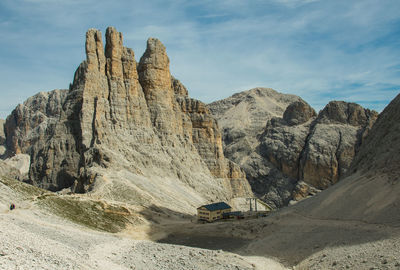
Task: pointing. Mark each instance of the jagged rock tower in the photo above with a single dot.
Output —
(124, 128)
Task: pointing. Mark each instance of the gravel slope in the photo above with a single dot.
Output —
(33, 238)
(34, 241)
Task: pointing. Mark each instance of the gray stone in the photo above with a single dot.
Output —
(298, 113)
(279, 140)
(2, 134)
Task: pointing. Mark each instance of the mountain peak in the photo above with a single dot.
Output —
(123, 125)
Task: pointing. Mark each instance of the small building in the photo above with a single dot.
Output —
(212, 212)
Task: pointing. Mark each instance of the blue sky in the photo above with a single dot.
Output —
(320, 50)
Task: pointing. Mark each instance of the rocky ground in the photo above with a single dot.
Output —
(32, 237)
(34, 241)
(303, 242)
(383, 254)
(37, 236)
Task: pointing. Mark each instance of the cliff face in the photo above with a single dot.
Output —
(335, 137)
(124, 122)
(354, 216)
(370, 190)
(379, 152)
(288, 151)
(2, 138)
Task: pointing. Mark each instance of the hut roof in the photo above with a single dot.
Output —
(216, 206)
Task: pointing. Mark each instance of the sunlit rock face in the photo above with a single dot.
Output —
(287, 150)
(120, 115)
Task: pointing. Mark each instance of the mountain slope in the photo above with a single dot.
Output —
(372, 187)
(288, 151)
(243, 117)
(353, 224)
(47, 230)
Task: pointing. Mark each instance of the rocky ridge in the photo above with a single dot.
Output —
(124, 126)
(353, 224)
(372, 179)
(288, 151)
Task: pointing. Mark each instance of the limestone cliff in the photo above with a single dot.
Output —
(125, 130)
(370, 189)
(379, 152)
(288, 151)
(334, 139)
(348, 225)
(2, 138)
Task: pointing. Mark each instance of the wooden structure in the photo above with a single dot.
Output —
(213, 212)
(263, 205)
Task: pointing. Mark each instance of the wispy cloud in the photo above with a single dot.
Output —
(320, 50)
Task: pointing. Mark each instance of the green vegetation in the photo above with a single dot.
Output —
(23, 189)
(82, 210)
(92, 214)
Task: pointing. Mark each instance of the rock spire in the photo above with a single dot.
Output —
(121, 116)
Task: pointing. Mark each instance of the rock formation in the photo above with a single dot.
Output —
(352, 224)
(2, 138)
(123, 127)
(9, 171)
(298, 113)
(370, 189)
(288, 151)
(379, 152)
(334, 139)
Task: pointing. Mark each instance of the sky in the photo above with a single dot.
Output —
(321, 50)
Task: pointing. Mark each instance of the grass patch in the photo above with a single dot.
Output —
(22, 188)
(92, 214)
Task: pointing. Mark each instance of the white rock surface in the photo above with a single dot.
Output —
(21, 162)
